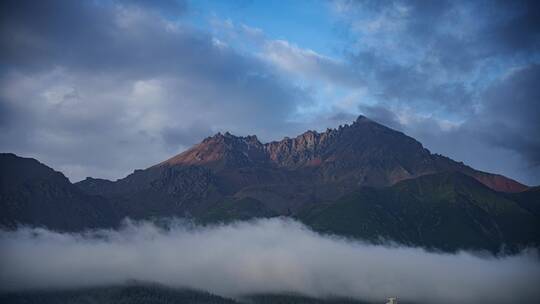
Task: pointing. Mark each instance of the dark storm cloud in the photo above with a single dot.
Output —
(471, 63)
(86, 84)
(40, 34)
(114, 37)
(169, 7)
(521, 30)
(436, 47)
(510, 117)
(406, 85)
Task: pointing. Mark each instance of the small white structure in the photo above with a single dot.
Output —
(392, 300)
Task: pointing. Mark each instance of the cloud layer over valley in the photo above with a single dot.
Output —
(263, 256)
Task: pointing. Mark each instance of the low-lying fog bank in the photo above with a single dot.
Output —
(262, 256)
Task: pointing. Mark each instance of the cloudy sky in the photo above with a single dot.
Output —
(99, 88)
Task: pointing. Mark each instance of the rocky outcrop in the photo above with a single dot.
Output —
(222, 151)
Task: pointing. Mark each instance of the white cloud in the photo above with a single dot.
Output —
(263, 256)
(308, 64)
(139, 89)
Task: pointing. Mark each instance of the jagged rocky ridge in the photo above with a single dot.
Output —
(363, 153)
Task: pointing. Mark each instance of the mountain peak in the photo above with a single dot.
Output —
(362, 118)
(219, 135)
(229, 135)
(221, 149)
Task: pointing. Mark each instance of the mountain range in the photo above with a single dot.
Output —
(362, 180)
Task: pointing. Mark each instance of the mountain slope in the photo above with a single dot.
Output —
(447, 211)
(159, 191)
(34, 194)
(529, 199)
(285, 176)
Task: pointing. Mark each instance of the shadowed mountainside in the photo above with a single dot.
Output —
(447, 211)
(34, 194)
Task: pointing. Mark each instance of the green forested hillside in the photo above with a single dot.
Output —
(446, 211)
